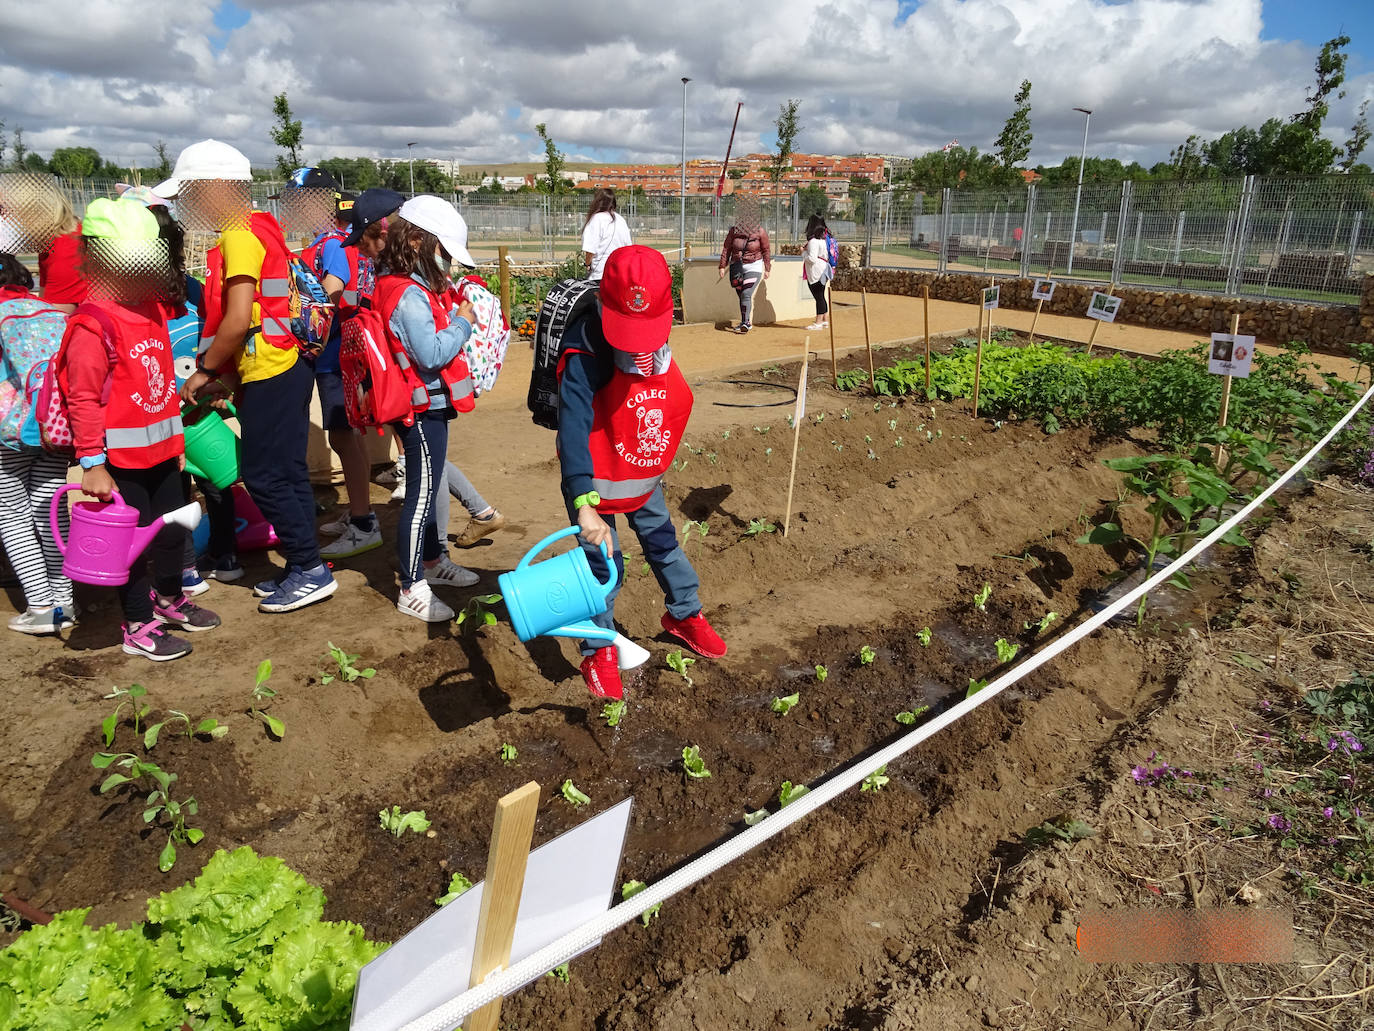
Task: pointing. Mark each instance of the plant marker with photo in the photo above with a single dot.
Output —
(1098, 320)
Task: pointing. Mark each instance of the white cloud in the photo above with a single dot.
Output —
(470, 79)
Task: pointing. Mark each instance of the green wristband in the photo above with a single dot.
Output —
(591, 498)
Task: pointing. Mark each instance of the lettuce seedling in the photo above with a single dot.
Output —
(397, 823)
(208, 726)
(629, 890)
(508, 753)
(758, 526)
(262, 692)
(573, 797)
(980, 600)
(1006, 651)
(127, 696)
(790, 792)
(457, 884)
(910, 716)
(782, 706)
(348, 672)
(867, 655)
(821, 673)
(693, 763)
(757, 815)
(561, 973)
(161, 803)
(613, 712)
(974, 686)
(876, 780)
(1043, 624)
(923, 637)
(678, 663)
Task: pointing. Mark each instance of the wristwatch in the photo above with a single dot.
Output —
(590, 498)
(91, 461)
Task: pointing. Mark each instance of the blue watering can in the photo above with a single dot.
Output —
(558, 597)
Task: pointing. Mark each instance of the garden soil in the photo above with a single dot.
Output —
(915, 907)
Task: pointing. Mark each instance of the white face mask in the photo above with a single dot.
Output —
(655, 364)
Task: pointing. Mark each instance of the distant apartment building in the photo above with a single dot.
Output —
(831, 173)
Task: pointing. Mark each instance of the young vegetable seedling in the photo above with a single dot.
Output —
(572, 796)
(756, 816)
(476, 614)
(397, 823)
(910, 716)
(758, 526)
(613, 712)
(783, 705)
(923, 637)
(261, 692)
(974, 686)
(866, 656)
(629, 890)
(1006, 651)
(1043, 624)
(560, 973)
(693, 763)
(508, 753)
(790, 792)
(980, 600)
(127, 696)
(208, 726)
(678, 663)
(457, 884)
(877, 780)
(700, 529)
(821, 673)
(347, 670)
(161, 803)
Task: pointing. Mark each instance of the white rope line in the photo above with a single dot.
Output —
(502, 983)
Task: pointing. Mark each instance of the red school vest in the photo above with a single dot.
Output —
(361, 279)
(143, 416)
(637, 425)
(455, 376)
(275, 294)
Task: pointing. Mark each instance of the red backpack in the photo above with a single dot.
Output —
(380, 385)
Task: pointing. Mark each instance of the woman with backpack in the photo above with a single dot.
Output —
(413, 301)
(602, 232)
(747, 256)
(30, 333)
(116, 372)
(816, 268)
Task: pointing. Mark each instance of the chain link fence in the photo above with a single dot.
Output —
(1294, 237)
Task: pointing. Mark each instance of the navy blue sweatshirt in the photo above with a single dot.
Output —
(584, 373)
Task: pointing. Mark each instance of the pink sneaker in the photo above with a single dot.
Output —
(152, 641)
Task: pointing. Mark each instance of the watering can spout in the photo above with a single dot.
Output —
(187, 516)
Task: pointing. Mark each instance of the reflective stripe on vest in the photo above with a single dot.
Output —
(275, 288)
(621, 490)
(350, 297)
(274, 325)
(142, 436)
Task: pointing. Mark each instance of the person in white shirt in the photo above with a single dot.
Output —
(816, 267)
(603, 232)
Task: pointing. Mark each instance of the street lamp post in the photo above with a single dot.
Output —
(682, 197)
(1082, 157)
(411, 155)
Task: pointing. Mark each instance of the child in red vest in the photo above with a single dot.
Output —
(117, 374)
(623, 406)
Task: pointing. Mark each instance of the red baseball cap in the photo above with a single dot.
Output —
(636, 299)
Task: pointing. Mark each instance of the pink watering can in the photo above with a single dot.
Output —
(105, 537)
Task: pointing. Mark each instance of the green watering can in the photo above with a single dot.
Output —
(212, 448)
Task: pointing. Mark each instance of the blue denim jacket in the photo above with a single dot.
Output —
(413, 323)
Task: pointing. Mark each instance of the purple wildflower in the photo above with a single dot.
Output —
(1268, 792)
(1265, 705)
(1328, 812)
(1279, 823)
(1141, 774)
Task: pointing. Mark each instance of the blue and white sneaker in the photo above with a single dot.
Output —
(192, 584)
(301, 587)
(225, 569)
(270, 587)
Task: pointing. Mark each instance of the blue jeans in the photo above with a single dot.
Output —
(425, 445)
(658, 540)
(274, 426)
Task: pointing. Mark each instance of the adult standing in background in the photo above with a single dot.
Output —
(603, 232)
(816, 267)
(747, 256)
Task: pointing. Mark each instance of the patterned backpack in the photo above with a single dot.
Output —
(485, 350)
(30, 334)
(48, 400)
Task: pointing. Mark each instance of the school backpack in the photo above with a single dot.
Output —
(485, 349)
(30, 334)
(832, 251)
(567, 301)
(379, 385)
(316, 317)
(47, 399)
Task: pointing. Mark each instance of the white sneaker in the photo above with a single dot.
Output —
(816, 325)
(387, 477)
(353, 541)
(39, 622)
(399, 494)
(449, 574)
(420, 602)
(336, 526)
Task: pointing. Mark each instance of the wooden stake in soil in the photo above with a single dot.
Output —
(503, 267)
(872, 380)
(1097, 323)
(511, 833)
(1226, 384)
(925, 303)
(830, 321)
(978, 361)
(798, 415)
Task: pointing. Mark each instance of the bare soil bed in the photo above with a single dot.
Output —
(917, 907)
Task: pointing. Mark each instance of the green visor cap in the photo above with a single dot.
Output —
(119, 220)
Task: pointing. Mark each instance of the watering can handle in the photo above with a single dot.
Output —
(558, 536)
(53, 510)
(203, 401)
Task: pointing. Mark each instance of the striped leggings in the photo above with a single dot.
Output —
(28, 481)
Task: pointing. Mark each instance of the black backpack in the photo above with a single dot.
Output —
(567, 301)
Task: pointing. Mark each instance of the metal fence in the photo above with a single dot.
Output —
(1294, 237)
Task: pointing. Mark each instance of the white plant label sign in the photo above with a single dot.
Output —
(991, 296)
(1043, 290)
(1104, 307)
(1231, 355)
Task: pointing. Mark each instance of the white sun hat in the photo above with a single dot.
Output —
(208, 159)
(436, 215)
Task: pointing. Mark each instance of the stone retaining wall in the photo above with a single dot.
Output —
(1328, 328)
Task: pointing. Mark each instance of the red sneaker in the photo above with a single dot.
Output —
(696, 633)
(601, 671)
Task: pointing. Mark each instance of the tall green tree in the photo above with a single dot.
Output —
(554, 161)
(4, 144)
(75, 162)
(19, 149)
(1330, 75)
(164, 162)
(286, 132)
(1354, 146)
(812, 200)
(1014, 143)
(788, 129)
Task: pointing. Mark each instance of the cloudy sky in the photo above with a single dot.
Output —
(469, 80)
